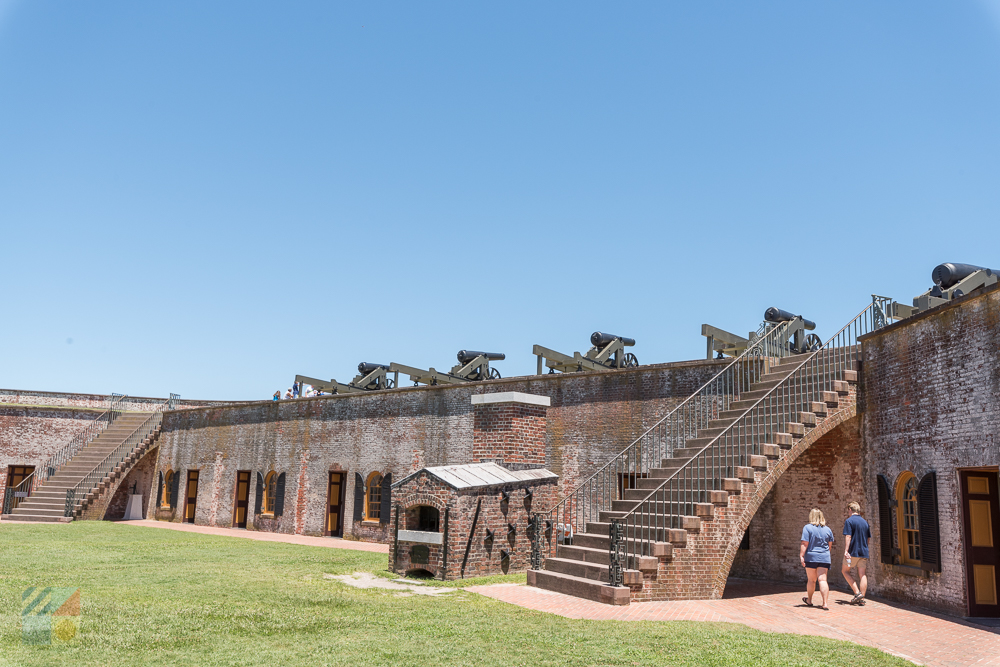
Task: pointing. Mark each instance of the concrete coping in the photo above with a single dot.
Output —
(421, 537)
(511, 397)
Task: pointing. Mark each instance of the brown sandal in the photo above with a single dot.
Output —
(808, 602)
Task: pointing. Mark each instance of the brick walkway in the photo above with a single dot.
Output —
(330, 542)
(919, 636)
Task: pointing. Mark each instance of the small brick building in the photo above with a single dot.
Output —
(467, 520)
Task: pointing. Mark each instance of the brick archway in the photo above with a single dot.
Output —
(766, 482)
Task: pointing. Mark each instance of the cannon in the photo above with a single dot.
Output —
(370, 377)
(950, 282)
(607, 352)
(472, 366)
(798, 325)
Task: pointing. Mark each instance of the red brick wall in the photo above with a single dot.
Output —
(592, 417)
(931, 401)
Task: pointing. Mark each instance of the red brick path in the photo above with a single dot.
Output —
(919, 636)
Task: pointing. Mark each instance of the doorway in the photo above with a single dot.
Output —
(16, 475)
(242, 499)
(982, 539)
(191, 496)
(335, 505)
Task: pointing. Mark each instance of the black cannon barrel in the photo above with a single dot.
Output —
(598, 339)
(366, 367)
(950, 274)
(465, 356)
(776, 315)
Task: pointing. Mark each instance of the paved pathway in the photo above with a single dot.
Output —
(919, 636)
(331, 542)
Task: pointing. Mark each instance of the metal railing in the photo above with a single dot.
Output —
(600, 490)
(14, 495)
(112, 460)
(666, 506)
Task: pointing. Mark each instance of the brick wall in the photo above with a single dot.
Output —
(29, 435)
(826, 476)
(592, 416)
(931, 401)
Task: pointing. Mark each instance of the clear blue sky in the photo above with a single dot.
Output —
(208, 198)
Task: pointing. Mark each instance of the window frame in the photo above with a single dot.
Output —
(904, 502)
(373, 504)
(168, 478)
(270, 493)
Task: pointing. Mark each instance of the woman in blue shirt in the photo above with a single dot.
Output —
(817, 541)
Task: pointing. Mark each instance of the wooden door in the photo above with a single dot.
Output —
(242, 499)
(335, 505)
(16, 475)
(982, 540)
(191, 496)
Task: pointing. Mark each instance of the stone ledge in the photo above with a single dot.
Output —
(511, 397)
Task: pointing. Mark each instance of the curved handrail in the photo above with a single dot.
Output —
(665, 506)
(598, 491)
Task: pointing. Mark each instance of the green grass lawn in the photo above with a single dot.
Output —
(160, 597)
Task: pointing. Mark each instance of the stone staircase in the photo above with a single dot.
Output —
(673, 557)
(48, 502)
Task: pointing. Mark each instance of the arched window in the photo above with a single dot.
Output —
(270, 489)
(907, 519)
(168, 484)
(373, 498)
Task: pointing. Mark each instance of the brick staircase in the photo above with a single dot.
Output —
(681, 517)
(48, 502)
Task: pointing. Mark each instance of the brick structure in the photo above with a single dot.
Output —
(591, 417)
(481, 515)
(931, 402)
(34, 425)
(510, 426)
(698, 565)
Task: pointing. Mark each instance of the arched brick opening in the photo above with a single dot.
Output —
(824, 474)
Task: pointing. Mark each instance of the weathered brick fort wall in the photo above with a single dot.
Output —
(931, 401)
(30, 435)
(591, 417)
(34, 425)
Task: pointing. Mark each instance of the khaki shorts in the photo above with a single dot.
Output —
(857, 562)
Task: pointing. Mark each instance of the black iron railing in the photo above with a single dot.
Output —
(597, 493)
(666, 506)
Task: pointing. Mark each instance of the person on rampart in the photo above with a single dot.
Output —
(856, 536)
(277, 396)
(817, 543)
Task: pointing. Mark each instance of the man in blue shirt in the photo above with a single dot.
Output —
(856, 536)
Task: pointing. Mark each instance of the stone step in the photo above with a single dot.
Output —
(597, 541)
(652, 518)
(602, 557)
(578, 587)
(585, 570)
(39, 519)
(676, 536)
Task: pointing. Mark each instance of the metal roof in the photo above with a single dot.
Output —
(478, 475)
